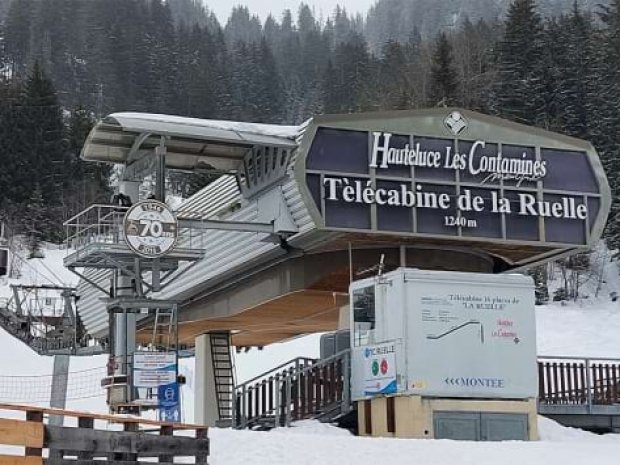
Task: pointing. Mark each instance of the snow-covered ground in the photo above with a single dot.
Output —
(313, 443)
(587, 328)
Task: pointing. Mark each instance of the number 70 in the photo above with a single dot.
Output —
(151, 228)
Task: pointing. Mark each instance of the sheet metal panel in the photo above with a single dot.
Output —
(225, 251)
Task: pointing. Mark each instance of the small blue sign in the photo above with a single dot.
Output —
(169, 403)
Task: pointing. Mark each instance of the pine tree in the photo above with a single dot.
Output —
(45, 151)
(90, 181)
(577, 74)
(444, 80)
(17, 38)
(607, 117)
(518, 93)
(396, 89)
(346, 82)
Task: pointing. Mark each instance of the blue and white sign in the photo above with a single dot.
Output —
(169, 401)
(154, 369)
(380, 369)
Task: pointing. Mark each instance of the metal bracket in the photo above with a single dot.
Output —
(88, 280)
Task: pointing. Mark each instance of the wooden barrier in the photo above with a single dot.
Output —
(564, 381)
(96, 439)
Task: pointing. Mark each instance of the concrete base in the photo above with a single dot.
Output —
(205, 402)
(412, 416)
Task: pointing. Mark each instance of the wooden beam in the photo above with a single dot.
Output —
(21, 433)
(97, 462)
(97, 442)
(18, 460)
(109, 418)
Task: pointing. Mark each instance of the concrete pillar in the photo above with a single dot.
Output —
(378, 408)
(344, 317)
(60, 378)
(205, 403)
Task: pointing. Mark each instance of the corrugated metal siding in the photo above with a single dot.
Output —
(225, 251)
(91, 309)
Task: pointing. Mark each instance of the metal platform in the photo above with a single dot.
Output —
(109, 256)
(96, 237)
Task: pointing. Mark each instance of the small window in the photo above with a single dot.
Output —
(363, 316)
(4, 262)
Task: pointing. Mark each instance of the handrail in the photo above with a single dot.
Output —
(293, 391)
(274, 370)
(97, 416)
(92, 207)
(566, 357)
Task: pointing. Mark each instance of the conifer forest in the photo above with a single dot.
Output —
(554, 64)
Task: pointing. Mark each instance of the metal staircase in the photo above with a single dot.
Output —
(221, 356)
(300, 389)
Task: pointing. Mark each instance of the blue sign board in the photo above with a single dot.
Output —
(169, 401)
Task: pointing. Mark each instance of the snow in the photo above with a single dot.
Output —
(38, 271)
(589, 327)
(579, 330)
(289, 132)
(312, 443)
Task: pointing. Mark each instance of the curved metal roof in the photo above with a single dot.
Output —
(190, 143)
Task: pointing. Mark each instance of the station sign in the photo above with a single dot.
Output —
(453, 174)
(154, 369)
(150, 228)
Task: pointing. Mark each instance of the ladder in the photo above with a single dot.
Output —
(221, 357)
(164, 329)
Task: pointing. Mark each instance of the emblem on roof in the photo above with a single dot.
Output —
(456, 123)
(150, 228)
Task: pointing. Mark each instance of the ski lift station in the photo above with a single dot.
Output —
(402, 235)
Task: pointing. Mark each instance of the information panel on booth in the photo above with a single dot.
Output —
(469, 339)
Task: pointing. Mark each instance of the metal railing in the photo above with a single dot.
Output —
(103, 224)
(575, 381)
(98, 223)
(299, 389)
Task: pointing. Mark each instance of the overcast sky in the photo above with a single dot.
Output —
(222, 8)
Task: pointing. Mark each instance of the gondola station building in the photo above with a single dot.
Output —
(408, 230)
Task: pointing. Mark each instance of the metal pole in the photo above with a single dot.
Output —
(160, 176)
(288, 400)
(277, 402)
(350, 264)
(588, 385)
(346, 388)
(244, 415)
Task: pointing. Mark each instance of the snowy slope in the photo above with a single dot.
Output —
(312, 443)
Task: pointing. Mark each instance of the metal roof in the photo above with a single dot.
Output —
(190, 143)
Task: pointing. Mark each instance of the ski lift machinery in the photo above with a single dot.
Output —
(144, 243)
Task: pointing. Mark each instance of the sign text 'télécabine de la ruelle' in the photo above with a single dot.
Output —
(469, 185)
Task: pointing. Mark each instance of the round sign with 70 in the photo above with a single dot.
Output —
(150, 228)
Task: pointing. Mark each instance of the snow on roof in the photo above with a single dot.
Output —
(191, 143)
(274, 130)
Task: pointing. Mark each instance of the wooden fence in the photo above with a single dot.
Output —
(572, 381)
(91, 439)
